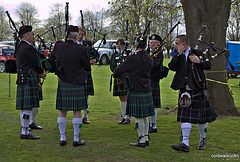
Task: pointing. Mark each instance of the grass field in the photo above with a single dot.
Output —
(105, 139)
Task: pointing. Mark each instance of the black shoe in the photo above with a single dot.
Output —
(152, 130)
(138, 144)
(29, 136)
(85, 121)
(34, 126)
(120, 122)
(146, 143)
(181, 147)
(75, 144)
(202, 144)
(127, 121)
(63, 143)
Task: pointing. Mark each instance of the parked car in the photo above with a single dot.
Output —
(11, 43)
(4, 58)
(106, 50)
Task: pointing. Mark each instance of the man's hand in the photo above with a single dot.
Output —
(43, 75)
(181, 49)
(194, 59)
(93, 61)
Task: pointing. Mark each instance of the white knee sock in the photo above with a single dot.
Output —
(153, 119)
(62, 121)
(34, 114)
(123, 105)
(77, 124)
(186, 129)
(202, 128)
(140, 129)
(146, 128)
(25, 116)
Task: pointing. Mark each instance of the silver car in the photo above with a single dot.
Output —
(105, 50)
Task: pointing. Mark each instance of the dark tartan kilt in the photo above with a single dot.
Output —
(156, 93)
(89, 85)
(119, 90)
(40, 94)
(139, 104)
(70, 97)
(199, 112)
(28, 94)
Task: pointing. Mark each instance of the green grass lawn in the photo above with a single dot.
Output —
(105, 139)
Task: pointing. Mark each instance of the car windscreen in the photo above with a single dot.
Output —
(107, 45)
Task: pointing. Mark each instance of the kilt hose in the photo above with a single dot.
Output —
(199, 112)
(119, 90)
(89, 85)
(139, 105)
(156, 93)
(71, 97)
(28, 94)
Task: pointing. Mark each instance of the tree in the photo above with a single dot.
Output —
(163, 15)
(93, 23)
(233, 32)
(27, 14)
(57, 21)
(5, 32)
(214, 14)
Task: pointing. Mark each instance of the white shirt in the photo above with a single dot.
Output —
(187, 53)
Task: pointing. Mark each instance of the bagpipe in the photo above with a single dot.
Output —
(159, 49)
(198, 81)
(10, 65)
(92, 52)
(52, 64)
(121, 57)
(126, 79)
(163, 72)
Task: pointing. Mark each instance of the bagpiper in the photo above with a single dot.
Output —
(119, 89)
(135, 72)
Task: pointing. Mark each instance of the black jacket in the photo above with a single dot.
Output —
(183, 77)
(139, 66)
(27, 58)
(117, 59)
(74, 61)
(156, 70)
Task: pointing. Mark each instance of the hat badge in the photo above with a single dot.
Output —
(153, 37)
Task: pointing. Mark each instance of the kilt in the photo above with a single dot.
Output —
(70, 97)
(40, 94)
(156, 93)
(119, 91)
(139, 104)
(89, 85)
(28, 94)
(199, 112)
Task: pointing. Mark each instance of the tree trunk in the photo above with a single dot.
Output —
(214, 14)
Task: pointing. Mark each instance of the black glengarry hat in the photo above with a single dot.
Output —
(24, 29)
(155, 37)
(73, 29)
